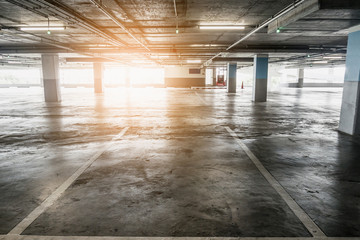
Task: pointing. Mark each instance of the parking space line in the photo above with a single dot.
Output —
(20, 227)
(37, 237)
(297, 210)
(201, 99)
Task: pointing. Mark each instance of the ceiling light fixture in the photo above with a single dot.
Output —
(193, 61)
(39, 28)
(14, 62)
(139, 61)
(221, 27)
(176, 18)
(320, 62)
(332, 57)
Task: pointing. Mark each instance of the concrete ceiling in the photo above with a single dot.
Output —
(127, 31)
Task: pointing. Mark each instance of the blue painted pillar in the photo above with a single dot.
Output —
(259, 93)
(349, 117)
(231, 77)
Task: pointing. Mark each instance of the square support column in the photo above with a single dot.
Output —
(231, 76)
(98, 77)
(300, 78)
(350, 112)
(259, 93)
(214, 76)
(127, 77)
(51, 79)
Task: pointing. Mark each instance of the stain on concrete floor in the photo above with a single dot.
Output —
(177, 172)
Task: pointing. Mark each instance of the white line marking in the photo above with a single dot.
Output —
(298, 211)
(36, 237)
(19, 228)
(201, 99)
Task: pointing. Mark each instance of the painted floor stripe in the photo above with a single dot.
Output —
(36, 237)
(201, 99)
(18, 229)
(298, 211)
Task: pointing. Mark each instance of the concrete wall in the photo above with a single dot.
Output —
(181, 78)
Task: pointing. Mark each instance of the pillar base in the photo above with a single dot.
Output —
(98, 77)
(52, 90)
(51, 82)
(349, 116)
(260, 90)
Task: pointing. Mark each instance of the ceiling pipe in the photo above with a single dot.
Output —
(261, 26)
(64, 13)
(267, 22)
(115, 20)
(27, 7)
(176, 18)
(58, 44)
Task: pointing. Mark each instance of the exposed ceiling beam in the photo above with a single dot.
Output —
(261, 26)
(57, 44)
(295, 14)
(87, 60)
(104, 10)
(168, 51)
(233, 59)
(64, 13)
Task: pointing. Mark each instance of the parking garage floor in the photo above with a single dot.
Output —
(176, 163)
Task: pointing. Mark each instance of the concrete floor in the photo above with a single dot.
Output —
(177, 171)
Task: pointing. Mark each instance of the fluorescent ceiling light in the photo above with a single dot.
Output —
(232, 27)
(193, 61)
(332, 57)
(139, 61)
(321, 62)
(14, 62)
(41, 28)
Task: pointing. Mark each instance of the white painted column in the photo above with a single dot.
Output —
(98, 77)
(51, 79)
(300, 77)
(350, 106)
(214, 76)
(127, 77)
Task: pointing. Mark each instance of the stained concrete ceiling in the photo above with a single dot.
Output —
(144, 31)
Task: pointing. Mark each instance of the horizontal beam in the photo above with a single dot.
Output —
(295, 14)
(87, 60)
(233, 59)
(169, 51)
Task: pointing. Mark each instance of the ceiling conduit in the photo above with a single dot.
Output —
(64, 13)
(261, 26)
(115, 20)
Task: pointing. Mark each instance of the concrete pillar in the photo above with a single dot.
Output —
(214, 76)
(331, 75)
(51, 79)
(300, 77)
(127, 77)
(259, 93)
(231, 76)
(350, 107)
(98, 68)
